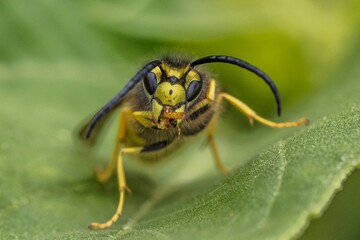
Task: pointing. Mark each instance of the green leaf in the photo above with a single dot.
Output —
(56, 69)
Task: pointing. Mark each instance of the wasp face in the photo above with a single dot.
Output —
(171, 89)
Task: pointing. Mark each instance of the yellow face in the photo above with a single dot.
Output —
(171, 89)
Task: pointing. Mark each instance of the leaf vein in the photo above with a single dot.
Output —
(277, 189)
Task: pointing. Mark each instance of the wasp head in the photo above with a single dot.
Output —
(171, 89)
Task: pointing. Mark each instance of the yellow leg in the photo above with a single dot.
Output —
(251, 115)
(145, 118)
(103, 175)
(242, 107)
(213, 148)
(122, 188)
(210, 97)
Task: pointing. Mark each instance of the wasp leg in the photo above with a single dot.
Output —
(210, 97)
(122, 180)
(103, 175)
(251, 114)
(211, 132)
(213, 147)
(145, 118)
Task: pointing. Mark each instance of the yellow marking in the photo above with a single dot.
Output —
(156, 109)
(191, 76)
(158, 73)
(211, 91)
(131, 150)
(171, 71)
(170, 94)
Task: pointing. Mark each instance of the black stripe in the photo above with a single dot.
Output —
(195, 129)
(198, 112)
(155, 146)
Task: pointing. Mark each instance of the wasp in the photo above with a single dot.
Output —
(166, 102)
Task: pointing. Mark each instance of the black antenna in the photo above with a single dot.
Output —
(119, 97)
(246, 65)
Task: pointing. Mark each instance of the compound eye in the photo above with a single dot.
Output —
(193, 90)
(150, 83)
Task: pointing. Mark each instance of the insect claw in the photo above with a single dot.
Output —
(101, 175)
(305, 121)
(125, 188)
(251, 121)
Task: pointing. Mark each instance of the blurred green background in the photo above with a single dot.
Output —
(62, 60)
